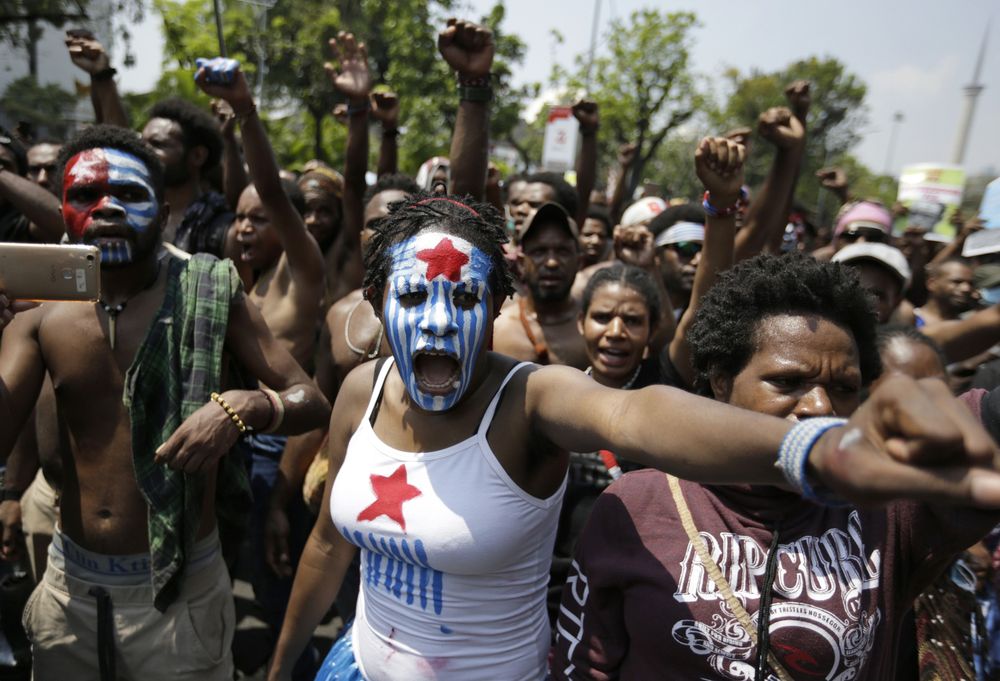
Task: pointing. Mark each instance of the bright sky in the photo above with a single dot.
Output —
(915, 58)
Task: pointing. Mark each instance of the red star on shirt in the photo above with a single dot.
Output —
(443, 259)
(390, 493)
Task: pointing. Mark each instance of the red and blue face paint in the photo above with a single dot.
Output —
(104, 182)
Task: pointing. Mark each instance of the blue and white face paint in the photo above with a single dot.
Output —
(102, 180)
(436, 313)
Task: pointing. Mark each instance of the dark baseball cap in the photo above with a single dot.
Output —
(549, 213)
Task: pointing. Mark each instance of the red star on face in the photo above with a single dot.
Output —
(443, 259)
(390, 494)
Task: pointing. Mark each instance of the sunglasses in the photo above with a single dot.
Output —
(688, 249)
(870, 235)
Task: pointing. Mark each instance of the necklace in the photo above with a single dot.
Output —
(628, 384)
(114, 310)
(347, 336)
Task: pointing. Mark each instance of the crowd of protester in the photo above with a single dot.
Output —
(503, 428)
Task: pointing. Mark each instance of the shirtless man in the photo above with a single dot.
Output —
(270, 234)
(137, 545)
(950, 292)
(540, 325)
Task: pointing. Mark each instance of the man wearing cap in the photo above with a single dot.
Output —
(540, 324)
(883, 270)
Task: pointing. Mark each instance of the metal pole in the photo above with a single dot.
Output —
(897, 118)
(593, 39)
(218, 28)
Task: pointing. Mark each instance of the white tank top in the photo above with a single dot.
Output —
(454, 558)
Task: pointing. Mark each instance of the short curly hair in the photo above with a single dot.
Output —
(724, 334)
(564, 191)
(478, 223)
(197, 127)
(114, 137)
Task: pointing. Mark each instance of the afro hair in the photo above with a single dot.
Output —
(724, 334)
(198, 127)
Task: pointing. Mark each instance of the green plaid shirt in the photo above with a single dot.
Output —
(178, 366)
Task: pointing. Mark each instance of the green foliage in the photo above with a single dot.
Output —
(835, 117)
(401, 38)
(45, 107)
(642, 83)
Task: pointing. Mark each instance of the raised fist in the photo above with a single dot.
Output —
(224, 113)
(385, 109)
(627, 154)
(352, 78)
(467, 48)
(223, 79)
(782, 129)
(635, 246)
(799, 98)
(719, 164)
(86, 52)
(739, 135)
(586, 113)
(834, 179)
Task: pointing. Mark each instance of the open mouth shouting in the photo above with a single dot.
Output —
(437, 372)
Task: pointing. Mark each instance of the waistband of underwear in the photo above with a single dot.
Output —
(124, 569)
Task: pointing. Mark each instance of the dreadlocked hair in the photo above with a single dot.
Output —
(634, 278)
(724, 334)
(478, 223)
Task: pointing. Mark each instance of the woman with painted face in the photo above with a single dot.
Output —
(677, 580)
(448, 462)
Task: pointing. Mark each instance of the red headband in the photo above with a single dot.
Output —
(445, 198)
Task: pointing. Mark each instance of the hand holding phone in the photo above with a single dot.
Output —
(41, 272)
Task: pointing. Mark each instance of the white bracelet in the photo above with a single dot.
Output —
(793, 457)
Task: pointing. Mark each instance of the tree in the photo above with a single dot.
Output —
(45, 107)
(835, 117)
(642, 84)
(401, 37)
(20, 22)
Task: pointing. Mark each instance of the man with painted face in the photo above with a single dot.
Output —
(187, 141)
(136, 586)
(447, 468)
(540, 324)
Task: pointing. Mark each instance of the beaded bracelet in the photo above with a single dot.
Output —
(793, 457)
(231, 413)
(714, 212)
(277, 410)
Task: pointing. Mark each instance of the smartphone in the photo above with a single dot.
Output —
(42, 272)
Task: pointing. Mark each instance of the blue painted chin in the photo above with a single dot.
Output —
(118, 252)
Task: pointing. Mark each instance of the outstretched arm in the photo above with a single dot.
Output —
(223, 78)
(767, 214)
(585, 112)
(88, 54)
(910, 439)
(385, 109)
(719, 164)
(35, 203)
(468, 49)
